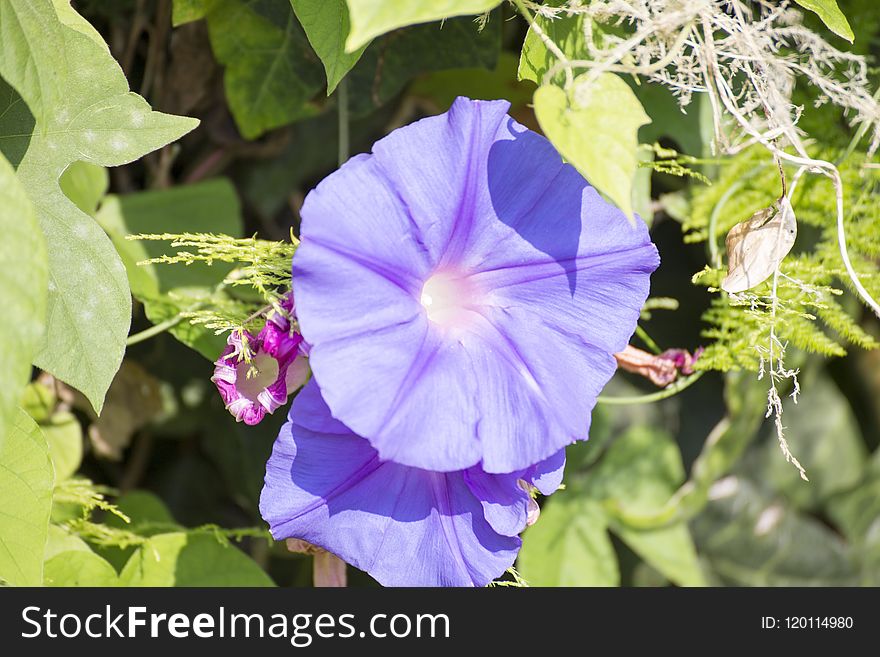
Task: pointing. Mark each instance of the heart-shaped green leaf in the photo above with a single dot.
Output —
(596, 127)
(71, 102)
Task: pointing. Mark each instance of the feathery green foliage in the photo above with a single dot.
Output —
(812, 313)
(262, 265)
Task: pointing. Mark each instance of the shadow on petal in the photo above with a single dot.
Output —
(517, 189)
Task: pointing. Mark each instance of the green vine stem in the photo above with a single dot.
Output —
(153, 331)
(669, 391)
(648, 340)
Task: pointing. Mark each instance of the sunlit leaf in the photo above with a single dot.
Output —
(831, 15)
(187, 11)
(190, 559)
(565, 31)
(569, 545)
(26, 482)
(23, 280)
(61, 540)
(85, 184)
(600, 143)
(79, 568)
(64, 437)
(370, 18)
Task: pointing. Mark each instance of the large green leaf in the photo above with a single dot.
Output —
(165, 290)
(638, 474)
(79, 568)
(271, 73)
(596, 129)
(191, 559)
(23, 280)
(370, 18)
(326, 24)
(569, 545)
(751, 539)
(73, 104)
(831, 15)
(67, 15)
(26, 483)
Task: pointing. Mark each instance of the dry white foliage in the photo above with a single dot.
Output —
(746, 56)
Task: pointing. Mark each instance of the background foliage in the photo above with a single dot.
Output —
(119, 465)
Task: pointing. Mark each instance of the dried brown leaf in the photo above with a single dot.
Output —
(755, 247)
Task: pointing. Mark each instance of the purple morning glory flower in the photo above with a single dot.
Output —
(403, 525)
(277, 366)
(464, 291)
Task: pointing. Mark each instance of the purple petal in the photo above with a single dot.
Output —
(546, 476)
(438, 168)
(505, 503)
(402, 525)
(251, 389)
(282, 319)
(279, 342)
(463, 291)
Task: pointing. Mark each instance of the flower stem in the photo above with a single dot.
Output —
(649, 342)
(342, 106)
(153, 331)
(668, 391)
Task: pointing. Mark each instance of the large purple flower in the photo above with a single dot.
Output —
(463, 292)
(404, 526)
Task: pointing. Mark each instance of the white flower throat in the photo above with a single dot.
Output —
(448, 298)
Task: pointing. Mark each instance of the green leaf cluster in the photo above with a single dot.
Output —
(763, 526)
(272, 51)
(634, 473)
